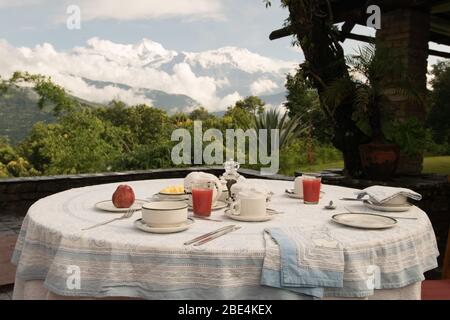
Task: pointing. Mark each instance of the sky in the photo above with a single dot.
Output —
(194, 25)
(34, 36)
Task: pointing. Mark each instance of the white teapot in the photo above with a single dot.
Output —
(202, 176)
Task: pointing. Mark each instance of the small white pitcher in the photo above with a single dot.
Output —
(250, 204)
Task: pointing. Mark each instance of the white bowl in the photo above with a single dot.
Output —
(172, 196)
(165, 213)
(397, 201)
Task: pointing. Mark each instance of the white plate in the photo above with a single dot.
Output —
(142, 226)
(364, 220)
(296, 196)
(248, 219)
(391, 208)
(109, 206)
(217, 206)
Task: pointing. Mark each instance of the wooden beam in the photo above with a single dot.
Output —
(281, 33)
(368, 39)
(441, 7)
(440, 54)
(346, 29)
(441, 26)
(360, 37)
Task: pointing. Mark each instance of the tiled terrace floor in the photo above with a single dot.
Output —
(6, 292)
(9, 229)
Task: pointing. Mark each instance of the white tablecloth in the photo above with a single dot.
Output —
(119, 261)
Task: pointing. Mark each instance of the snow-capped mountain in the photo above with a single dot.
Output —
(214, 79)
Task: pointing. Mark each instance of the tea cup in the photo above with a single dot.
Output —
(250, 205)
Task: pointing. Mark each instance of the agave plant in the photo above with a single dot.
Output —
(272, 119)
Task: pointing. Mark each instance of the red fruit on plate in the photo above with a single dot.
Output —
(123, 197)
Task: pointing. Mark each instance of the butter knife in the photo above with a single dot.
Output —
(208, 234)
(215, 236)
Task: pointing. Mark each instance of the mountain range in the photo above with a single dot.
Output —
(145, 72)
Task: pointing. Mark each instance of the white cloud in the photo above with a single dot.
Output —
(145, 65)
(150, 9)
(263, 86)
(17, 3)
(106, 61)
(135, 9)
(240, 58)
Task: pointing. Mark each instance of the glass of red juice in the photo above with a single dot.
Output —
(311, 189)
(202, 196)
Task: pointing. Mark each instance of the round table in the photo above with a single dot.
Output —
(56, 259)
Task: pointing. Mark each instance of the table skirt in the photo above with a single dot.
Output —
(35, 290)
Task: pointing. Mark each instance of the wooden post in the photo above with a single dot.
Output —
(406, 31)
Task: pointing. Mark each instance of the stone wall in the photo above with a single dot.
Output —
(17, 195)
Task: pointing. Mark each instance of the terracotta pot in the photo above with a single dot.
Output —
(379, 160)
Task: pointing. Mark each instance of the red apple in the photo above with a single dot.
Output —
(123, 197)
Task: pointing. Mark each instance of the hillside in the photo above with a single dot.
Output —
(159, 99)
(19, 112)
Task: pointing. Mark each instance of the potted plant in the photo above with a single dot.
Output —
(369, 92)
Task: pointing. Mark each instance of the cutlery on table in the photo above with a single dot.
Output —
(402, 218)
(351, 199)
(215, 236)
(330, 206)
(209, 234)
(126, 215)
(273, 211)
(206, 218)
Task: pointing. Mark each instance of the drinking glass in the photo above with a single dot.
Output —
(311, 188)
(202, 197)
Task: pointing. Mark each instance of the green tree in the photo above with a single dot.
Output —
(303, 100)
(79, 143)
(439, 115)
(49, 92)
(199, 114)
(12, 164)
(251, 104)
(242, 114)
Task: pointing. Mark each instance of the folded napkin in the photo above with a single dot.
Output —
(383, 194)
(302, 260)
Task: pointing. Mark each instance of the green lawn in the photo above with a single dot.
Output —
(440, 165)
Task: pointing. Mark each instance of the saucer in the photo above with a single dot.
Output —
(163, 230)
(109, 206)
(388, 208)
(290, 193)
(248, 219)
(217, 206)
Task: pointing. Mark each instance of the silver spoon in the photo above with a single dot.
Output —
(330, 206)
(206, 218)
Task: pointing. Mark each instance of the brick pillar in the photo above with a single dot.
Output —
(406, 31)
